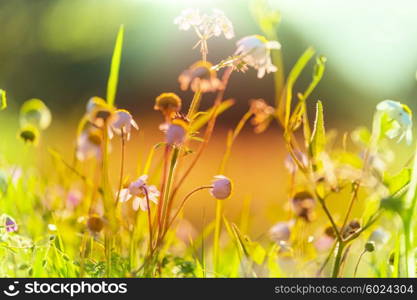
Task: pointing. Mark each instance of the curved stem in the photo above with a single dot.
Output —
(183, 203)
(357, 264)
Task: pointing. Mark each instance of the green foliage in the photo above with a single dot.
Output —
(318, 138)
(115, 67)
(3, 99)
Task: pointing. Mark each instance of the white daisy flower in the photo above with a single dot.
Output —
(138, 190)
(123, 120)
(222, 187)
(400, 118)
(255, 51)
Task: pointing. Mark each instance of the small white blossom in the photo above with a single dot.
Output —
(188, 18)
(401, 117)
(280, 232)
(222, 187)
(255, 51)
(123, 121)
(175, 133)
(89, 144)
(205, 25)
(139, 190)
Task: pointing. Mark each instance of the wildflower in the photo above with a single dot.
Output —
(29, 134)
(201, 76)
(399, 119)
(99, 112)
(123, 122)
(325, 241)
(280, 232)
(205, 25)
(189, 17)
(222, 187)
(139, 190)
(218, 23)
(168, 104)
(35, 113)
(176, 132)
(74, 197)
(303, 205)
(95, 223)
(255, 50)
(89, 143)
(379, 237)
(262, 114)
(10, 224)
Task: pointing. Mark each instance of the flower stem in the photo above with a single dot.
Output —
(122, 164)
(357, 264)
(337, 264)
(217, 231)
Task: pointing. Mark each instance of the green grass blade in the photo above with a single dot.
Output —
(284, 108)
(3, 99)
(114, 68)
(318, 139)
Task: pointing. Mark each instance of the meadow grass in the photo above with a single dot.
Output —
(94, 217)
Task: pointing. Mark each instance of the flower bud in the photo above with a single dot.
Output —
(370, 246)
(222, 187)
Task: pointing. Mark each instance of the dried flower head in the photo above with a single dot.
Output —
(303, 205)
(255, 51)
(201, 76)
(262, 114)
(222, 187)
(95, 223)
(351, 228)
(168, 104)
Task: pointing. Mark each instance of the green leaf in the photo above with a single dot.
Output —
(397, 182)
(284, 109)
(114, 68)
(204, 118)
(3, 100)
(318, 138)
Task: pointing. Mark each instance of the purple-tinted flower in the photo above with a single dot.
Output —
(11, 225)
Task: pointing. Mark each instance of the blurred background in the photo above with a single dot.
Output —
(59, 51)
